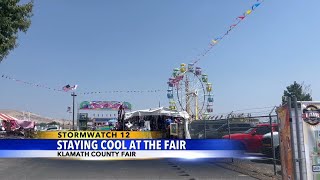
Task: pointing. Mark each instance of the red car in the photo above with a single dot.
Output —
(252, 138)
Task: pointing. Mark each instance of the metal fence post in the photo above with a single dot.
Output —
(293, 143)
(300, 141)
(205, 129)
(228, 123)
(272, 143)
(279, 138)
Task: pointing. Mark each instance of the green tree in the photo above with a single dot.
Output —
(14, 17)
(301, 91)
(42, 124)
(53, 123)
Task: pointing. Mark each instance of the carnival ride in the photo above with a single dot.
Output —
(190, 91)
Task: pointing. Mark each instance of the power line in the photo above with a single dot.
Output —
(241, 110)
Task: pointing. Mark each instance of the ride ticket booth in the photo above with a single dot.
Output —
(174, 130)
(177, 130)
(83, 121)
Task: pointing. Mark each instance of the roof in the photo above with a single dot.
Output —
(15, 123)
(5, 117)
(156, 112)
(104, 119)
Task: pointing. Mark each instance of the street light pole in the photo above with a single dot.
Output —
(73, 99)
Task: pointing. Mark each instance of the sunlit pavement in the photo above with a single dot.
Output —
(43, 169)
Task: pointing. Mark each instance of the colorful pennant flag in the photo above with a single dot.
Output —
(214, 41)
(255, 6)
(241, 17)
(233, 25)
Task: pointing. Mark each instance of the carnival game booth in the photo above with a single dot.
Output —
(156, 119)
(15, 126)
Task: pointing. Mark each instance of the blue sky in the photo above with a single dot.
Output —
(134, 45)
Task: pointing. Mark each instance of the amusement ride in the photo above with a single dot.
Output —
(190, 91)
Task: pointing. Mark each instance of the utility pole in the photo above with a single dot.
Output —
(73, 106)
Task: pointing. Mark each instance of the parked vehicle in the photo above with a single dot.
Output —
(52, 128)
(267, 146)
(2, 130)
(252, 138)
(224, 130)
(196, 128)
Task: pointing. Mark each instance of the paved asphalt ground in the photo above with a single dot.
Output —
(45, 169)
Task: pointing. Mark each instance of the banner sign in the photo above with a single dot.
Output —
(311, 132)
(104, 105)
(104, 149)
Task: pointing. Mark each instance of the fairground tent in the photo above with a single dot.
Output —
(5, 117)
(162, 111)
(15, 123)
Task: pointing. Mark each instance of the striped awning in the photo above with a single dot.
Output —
(5, 117)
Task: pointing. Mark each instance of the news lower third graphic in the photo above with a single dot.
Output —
(102, 146)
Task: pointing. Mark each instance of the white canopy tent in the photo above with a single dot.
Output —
(162, 111)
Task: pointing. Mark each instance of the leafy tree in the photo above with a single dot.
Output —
(42, 124)
(14, 17)
(302, 92)
(53, 123)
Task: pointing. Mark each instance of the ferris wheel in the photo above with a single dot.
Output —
(190, 91)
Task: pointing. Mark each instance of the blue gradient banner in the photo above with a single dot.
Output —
(121, 155)
(143, 144)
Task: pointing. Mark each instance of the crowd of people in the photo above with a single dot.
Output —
(150, 123)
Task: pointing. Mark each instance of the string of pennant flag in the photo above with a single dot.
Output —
(68, 88)
(218, 39)
(212, 43)
(31, 84)
(125, 91)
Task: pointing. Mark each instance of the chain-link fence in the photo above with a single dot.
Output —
(259, 134)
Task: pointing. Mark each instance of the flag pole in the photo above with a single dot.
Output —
(73, 99)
